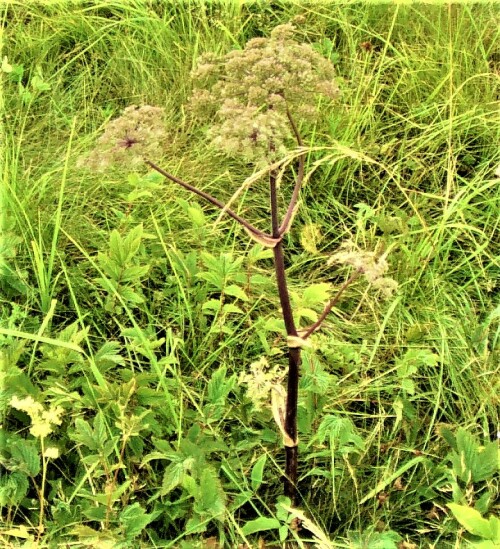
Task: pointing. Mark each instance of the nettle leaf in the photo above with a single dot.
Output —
(472, 520)
(134, 273)
(212, 306)
(172, 477)
(134, 519)
(212, 278)
(408, 385)
(257, 253)
(488, 462)
(414, 359)
(131, 296)
(229, 308)
(305, 312)
(211, 498)
(196, 215)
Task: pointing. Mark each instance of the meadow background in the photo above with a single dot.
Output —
(117, 320)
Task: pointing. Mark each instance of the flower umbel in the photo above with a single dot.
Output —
(138, 132)
(370, 264)
(251, 91)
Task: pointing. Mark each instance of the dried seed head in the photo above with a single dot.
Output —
(249, 91)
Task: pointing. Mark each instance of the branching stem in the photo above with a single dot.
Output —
(212, 200)
(298, 183)
(330, 306)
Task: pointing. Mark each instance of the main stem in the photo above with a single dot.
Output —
(291, 465)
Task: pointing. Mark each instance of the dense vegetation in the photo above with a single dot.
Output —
(132, 315)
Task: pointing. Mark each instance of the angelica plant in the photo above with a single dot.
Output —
(255, 99)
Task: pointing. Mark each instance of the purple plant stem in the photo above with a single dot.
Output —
(291, 451)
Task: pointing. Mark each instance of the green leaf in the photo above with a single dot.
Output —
(211, 498)
(131, 296)
(134, 273)
(408, 386)
(212, 306)
(258, 252)
(25, 455)
(94, 439)
(340, 433)
(196, 215)
(108, 356)
(316, 294)
(261, 524)
(134, 519)
(471, 462)
(495, 528)
(219, 386)
(236, 291)
(229, 308)
(258, 472)
(488, 462)
(172, 477)
(487, 544)
(471, 520)
(13, 488)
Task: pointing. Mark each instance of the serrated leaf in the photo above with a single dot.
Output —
(408, 386)
(134, 273)
(261, 524)
(196, 525)
(13, 488)
(236, 291)
(340, 432)
(84, 434)
(310, 237)
(196, 215)
(131, 296)
(212, 306)
(134, 519)
(229, 308)
(211, 498)
(220, 385)
(172, 477)
(258, 253)
(25, 455)
(136, 194)
(488, 462)
(471, 520)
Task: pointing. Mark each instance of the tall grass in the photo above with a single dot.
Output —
(406, 160)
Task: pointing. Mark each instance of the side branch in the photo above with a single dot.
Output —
(259, 235)
(298, 183)
(330, 306)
